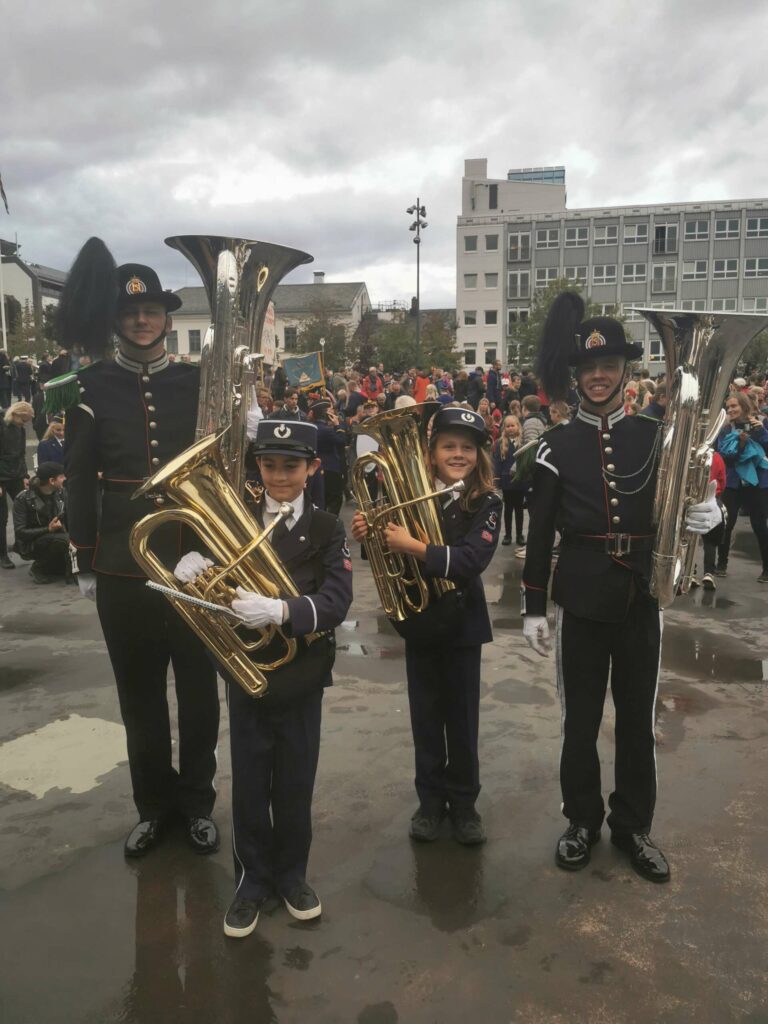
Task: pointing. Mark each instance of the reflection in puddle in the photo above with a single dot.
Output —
(721, 659)
(368, 650)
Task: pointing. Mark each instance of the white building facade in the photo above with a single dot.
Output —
(516, 234)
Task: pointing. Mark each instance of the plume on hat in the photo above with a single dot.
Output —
(86, 311)
(557, 344)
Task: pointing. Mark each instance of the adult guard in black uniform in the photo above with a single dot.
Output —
(594, 481)
(127, 417)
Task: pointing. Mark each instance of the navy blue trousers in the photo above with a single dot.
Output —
(274, 763)
(444, 698)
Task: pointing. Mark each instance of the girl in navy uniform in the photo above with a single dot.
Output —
(513, 490)
(444, 672)
(275, 739)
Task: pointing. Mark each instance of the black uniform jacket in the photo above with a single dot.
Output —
(595, 477)
(132, 419)
(472, 538)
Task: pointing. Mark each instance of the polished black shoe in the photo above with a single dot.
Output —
(242, 917)
(647, 859)
(506, 541)
(425, 825)
(574, 846)
(202, 835)
(145, 836)
(302, 903)
(5, 562)
(467, 828)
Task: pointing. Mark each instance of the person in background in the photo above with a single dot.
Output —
(658, 406)
(461, 386)
(476, 387)
(372, 385)
(533, 421)
(332, 439)
(13, 466)
(512, 491)
(420, 386)
(51, 447)
(24, 372)
(289, 410)
(40, 524)
(493, 384)
(5, 380)
(714, 538)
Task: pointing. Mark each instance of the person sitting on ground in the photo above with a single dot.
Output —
(39, 523)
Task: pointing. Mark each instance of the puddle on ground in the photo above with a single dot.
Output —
(368, 651)
(710, 657)
(11, 677)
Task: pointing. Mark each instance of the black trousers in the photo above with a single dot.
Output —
(10, 489)
(755, 501)
(513, 502)
(274, 762)
(334, 491)
(51, 554)
(444, 699)
(587, 654)
(144, 635)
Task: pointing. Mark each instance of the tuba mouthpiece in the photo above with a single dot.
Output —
(285, 510)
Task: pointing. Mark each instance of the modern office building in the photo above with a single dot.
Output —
(516, 234)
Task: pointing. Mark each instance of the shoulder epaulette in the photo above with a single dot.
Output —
(62, 393)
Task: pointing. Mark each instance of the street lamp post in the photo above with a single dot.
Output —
(418, 224)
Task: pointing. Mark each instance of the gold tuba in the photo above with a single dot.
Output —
(201, 488)
(409, 500)
(701, 350)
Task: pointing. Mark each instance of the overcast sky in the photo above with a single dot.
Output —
(317, 124)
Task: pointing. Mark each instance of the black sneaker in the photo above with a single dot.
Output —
(721, 570)
(425, 825)
(5, 562)
(242, 917)
(520, 539)
(467, 828)
(506, 541)
(303, 903)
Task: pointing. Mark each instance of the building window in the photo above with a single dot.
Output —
(493, 197)
(491, 317)
(515, 316)
(756, 268)
(491, 243)
(194, 343)
(491, 280)
(290, 339)
(576, 238)
(695, 270)
(576, 274)
(606, 234)
(470, 281)
(655, 355)
(172, 343)
(470, 357)
(518, 284)
(470, 243)
(696, 230)
(470, 317)
(757, 227)
(728, 228)
(604, 273)
(756, 305)
(520, 246)
(635, 234)
(724, 305)
(631, 314)
(664, 277)
(725, 268)
(694, 304)
(608, 309)
(490, 355)
(664, 239)
(544, 275)
(548, 238)
(634, 273)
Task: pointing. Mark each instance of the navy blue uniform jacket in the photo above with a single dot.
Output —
(472, 538)
(582, 478)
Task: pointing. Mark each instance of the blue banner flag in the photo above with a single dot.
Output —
(305, 371)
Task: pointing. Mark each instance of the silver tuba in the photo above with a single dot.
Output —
(701, 350)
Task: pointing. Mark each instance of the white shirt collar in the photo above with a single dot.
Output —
(272, 507)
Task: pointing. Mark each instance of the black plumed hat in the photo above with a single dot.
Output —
(86, 311)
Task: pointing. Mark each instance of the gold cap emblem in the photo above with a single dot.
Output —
(135, 286)
(595, 340)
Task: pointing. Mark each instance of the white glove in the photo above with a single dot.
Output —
(536, 632)
(257, 611)
(706, 515)
(87, 586)
(191, 566)
(255, 413)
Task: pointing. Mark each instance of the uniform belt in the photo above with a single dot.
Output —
(610, 543)
(121, 486)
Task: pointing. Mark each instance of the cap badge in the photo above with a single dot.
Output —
(282, 431)
(595, 340)
(468, 417)
(135, 286)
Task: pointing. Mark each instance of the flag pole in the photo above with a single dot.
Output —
(2, 302)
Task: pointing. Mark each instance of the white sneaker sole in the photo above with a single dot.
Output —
(240, 933)
(303, 915)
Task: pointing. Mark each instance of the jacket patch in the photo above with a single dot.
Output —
(487, 536)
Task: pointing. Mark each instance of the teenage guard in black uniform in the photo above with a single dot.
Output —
(275, 739)
(127, 417)
(443, 669)
(594, 481)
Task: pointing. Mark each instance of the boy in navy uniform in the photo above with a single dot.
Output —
(275, 739)
(127, 417)
(595, 480)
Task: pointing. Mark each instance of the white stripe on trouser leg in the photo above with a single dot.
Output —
(655, 695)
(234, 844)
(559, 680)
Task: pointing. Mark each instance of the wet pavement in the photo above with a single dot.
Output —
(409, 933)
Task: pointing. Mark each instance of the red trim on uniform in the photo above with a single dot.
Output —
(530, 586)
(82, 547)
(117, 480)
